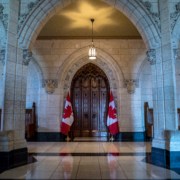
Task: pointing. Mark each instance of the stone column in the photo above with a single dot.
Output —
(165, 142)
(13, 114)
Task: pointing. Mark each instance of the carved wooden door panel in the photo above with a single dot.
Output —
(94, 107)
(77, 108)
(90, 96)
(86, 113)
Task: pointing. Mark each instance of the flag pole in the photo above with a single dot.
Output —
(112, 138)
(68, 138)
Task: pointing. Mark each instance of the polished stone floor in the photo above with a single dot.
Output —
(89, 160)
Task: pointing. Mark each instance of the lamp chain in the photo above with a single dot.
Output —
(92, 30)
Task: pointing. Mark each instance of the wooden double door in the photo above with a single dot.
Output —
(90, 96)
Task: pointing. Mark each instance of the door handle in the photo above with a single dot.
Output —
(85, 115)
(93, 116)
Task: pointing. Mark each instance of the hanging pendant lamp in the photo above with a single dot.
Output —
(92, 49)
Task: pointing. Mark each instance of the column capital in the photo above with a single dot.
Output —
(49, 85)
(151, 54)
(27, 55)
(131, 84)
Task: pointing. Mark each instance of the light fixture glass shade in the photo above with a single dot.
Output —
(92, 52)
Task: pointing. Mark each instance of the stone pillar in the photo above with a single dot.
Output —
(13, 113)
(165, 143)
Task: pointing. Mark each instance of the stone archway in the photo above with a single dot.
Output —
(104, 61)
(66, 76)
(136, 11)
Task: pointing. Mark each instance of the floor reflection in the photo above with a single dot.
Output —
(67, 164)
(112, 162)
(90, 160)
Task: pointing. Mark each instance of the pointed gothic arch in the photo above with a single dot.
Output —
(44, 10)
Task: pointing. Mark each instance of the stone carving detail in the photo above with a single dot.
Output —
(26, 57)
(3, 55)
(3, 17)
(23, 16)
(151, 56)
(155, 16)
(131, 85)
(176, 53)
(49, 85)
(100, 63)
(175, 15)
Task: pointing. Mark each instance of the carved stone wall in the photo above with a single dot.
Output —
(27, 55)
(3, 17)
(145, 83)
(33, 87)
(26, 12)
(175, 15)
(155, 15)
(151, 54)
(2, 56)
(61, 59)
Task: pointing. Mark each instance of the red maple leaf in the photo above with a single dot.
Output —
(67, 112)
(112, 113)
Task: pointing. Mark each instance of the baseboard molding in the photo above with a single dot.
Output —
(59, 137)
(165, 157)
(131, 137)
(13, 158)
(47, 137)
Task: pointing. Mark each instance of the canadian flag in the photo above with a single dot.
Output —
(68, 117)
(112, 122)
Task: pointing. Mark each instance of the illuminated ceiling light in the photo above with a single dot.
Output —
(92, 49)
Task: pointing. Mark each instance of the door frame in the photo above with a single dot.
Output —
(107, 101)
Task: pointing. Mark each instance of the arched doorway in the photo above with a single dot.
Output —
(90, 96)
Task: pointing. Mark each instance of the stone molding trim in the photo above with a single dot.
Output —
(49, 85)
(101, 64)
(27, 55)
(155, 16)
(151, 54)
(3, 17)
(87, 37)
(77, 64)
(3, 56)
(131, 85)
(175, 15)
(23, 16)
(176, 53)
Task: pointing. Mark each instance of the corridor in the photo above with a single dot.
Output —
(90, 160)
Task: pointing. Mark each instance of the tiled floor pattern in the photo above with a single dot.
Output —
(112, 166)
(90, 139)
(88, 147)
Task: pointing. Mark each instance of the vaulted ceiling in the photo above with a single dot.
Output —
(74, 21)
